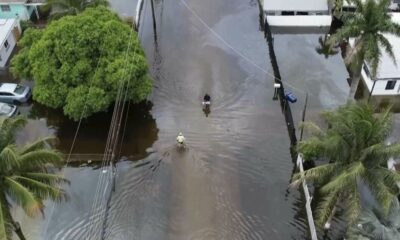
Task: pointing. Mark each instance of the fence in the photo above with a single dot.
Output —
(281, 91)
(310, 217)
(290, 124)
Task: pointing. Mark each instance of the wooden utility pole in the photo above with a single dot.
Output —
(154, 17)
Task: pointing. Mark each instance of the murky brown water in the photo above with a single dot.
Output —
(232, 181)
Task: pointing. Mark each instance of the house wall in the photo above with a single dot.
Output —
(16, 9)
(380, 86)
(6, 52)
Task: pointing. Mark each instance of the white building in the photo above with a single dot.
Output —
(387, 81)
(10, 32)
(305, 16)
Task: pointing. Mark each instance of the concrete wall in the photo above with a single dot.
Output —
(380, 86)
(16, 9)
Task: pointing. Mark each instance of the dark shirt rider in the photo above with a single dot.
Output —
(207, 98)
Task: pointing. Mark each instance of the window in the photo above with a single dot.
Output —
(390, 85)
(5, 8)
(287, 13)
(19, 89)
(302, 13)
(366, 70)
(6, 45)
(6, 94)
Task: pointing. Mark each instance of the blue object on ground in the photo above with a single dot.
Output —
(291, 97)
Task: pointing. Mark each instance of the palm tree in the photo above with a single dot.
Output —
(367, 25)
(27, 176)
(354, 144)
(374, 225)
(60, 8)
(325, 48)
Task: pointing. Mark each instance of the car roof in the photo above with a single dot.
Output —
(8, 87)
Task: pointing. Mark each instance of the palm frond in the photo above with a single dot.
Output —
(317, 174)
(390, 179)
(373, 54)
(325, 208)
(379, 190)
(387, 46)
(40, 144)
(312, 128)
(353, 206)
(41, 158)
(47, 178)
(41, 190)
(5, 225)
(8, 159)
(8, 128)
(23, 197)
(345, 178)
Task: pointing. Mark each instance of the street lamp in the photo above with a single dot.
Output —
(276, 87)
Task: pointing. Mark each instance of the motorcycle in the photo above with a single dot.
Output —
(206, 107)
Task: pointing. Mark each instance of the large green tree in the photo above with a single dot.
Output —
(60, 8)
(27, 176)
(354, 145)
(367, 26)
(79, 62)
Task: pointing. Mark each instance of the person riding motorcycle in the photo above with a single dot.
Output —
(207, 98)
(180, 139)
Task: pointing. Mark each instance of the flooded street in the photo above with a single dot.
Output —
(232, 180)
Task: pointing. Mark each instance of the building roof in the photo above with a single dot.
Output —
(6, 25)
(387, 68)
(12, 1)
(296, 5)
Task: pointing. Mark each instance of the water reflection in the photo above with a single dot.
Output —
(326, 49)
(139, 132)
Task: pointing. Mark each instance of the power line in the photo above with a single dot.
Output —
(113, 139)
(77, 129)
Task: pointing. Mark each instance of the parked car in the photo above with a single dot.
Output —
(14, 93)
(8, 110)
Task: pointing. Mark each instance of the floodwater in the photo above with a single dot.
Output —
(232, 180)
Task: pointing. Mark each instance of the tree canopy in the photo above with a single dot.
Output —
(354, 144)
(78, 62)
(60, 8)
(27, 176)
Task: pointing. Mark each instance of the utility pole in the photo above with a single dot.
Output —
(154, 18)
(370, 93)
